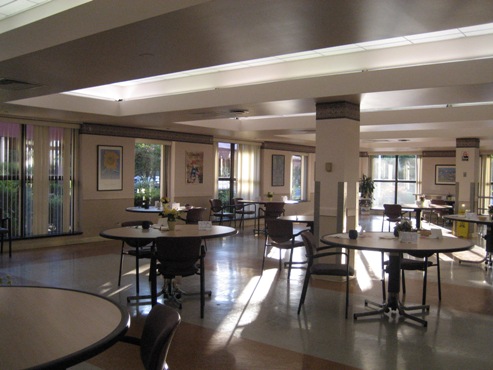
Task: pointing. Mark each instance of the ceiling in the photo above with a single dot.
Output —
(414, 96)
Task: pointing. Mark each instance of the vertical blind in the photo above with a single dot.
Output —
(37, 187)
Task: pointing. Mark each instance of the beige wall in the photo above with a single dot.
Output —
(428, 173)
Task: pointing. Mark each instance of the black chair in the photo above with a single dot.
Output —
(139, 249)
(326, 269)
(194, 215)
(420, 262)
(391, 213)
(218, 210)
(281, 234)
(179, 257)
(270, 211)
(5, 231)
(242, 209)
(159, 328)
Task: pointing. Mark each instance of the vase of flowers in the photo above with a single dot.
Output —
(171, 215)
(490, 211)
(270, 195)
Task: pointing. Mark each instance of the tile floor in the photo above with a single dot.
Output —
(251, 322)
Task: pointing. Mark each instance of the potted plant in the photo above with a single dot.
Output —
(366, 188)
(404, 225)
(270, 195)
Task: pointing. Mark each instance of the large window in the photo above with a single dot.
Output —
(395, 179)
(299, 167)
(36, 179)
(238, 171)
(151, 168)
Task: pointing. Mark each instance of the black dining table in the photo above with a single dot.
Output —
(387, 242)
(54, 328)
(418, 208)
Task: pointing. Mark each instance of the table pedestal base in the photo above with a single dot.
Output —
(393, 304)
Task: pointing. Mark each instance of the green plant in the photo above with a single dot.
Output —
(170, 213)
(366, 187)
(404, 225)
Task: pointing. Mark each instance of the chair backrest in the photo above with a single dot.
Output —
(392, 210)
(274, 210)
(238, 205)
(310, 245)
(216, 205)
(196, 214)
(159, 328)
(178, 256)
(279, 230)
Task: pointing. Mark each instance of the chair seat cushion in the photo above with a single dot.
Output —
(410, 264)
(288, 244)
(330, 269)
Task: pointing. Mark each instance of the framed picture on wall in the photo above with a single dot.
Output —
(194, 167)
(277, 170)
(110, 167)
(445, 174)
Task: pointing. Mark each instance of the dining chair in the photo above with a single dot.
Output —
(280, 234)
(5, 231)
(391, 213)
(313, 252)
(194, 215)
(242, 209)
(270, 211)
(139, 249)
(419, 262)
(218, 210)
(159, 328)
(180, 257)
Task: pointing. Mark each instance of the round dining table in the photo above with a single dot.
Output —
(181, 231)
(418, 208)
(54, 328)
(387, 242)
(304, 219)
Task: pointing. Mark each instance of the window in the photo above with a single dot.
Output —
(238, 171)
(486, 184)
(36, 179)
(395, 179)
(299, 166)
(150, 180)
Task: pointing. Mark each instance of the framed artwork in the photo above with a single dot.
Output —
(110, 167)
(445, 174)
(194, 167)
(277, 170)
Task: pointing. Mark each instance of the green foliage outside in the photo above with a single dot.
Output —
(147, 173)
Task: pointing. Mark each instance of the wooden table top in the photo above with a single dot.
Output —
(181, 231)
(52, 327)
(386, 242)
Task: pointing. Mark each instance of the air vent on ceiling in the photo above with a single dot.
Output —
(9, 84)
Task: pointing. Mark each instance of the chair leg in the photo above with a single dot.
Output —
(263, 256)
(347, 288)
(305, 288)
(121, 265)
(137, 260)
(438, 278)
(403, 278)
(290, 263)
(425, 278)
(202, 286)
(384, 292)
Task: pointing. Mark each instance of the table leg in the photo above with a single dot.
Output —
(393, 303)
(418, 218)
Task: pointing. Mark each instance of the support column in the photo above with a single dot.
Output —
(337, 166)
(467, 165)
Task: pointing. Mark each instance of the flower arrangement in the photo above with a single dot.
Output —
(170, 213)
(490, 209)
(270, 194)
(404, 225)
(165, 200)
